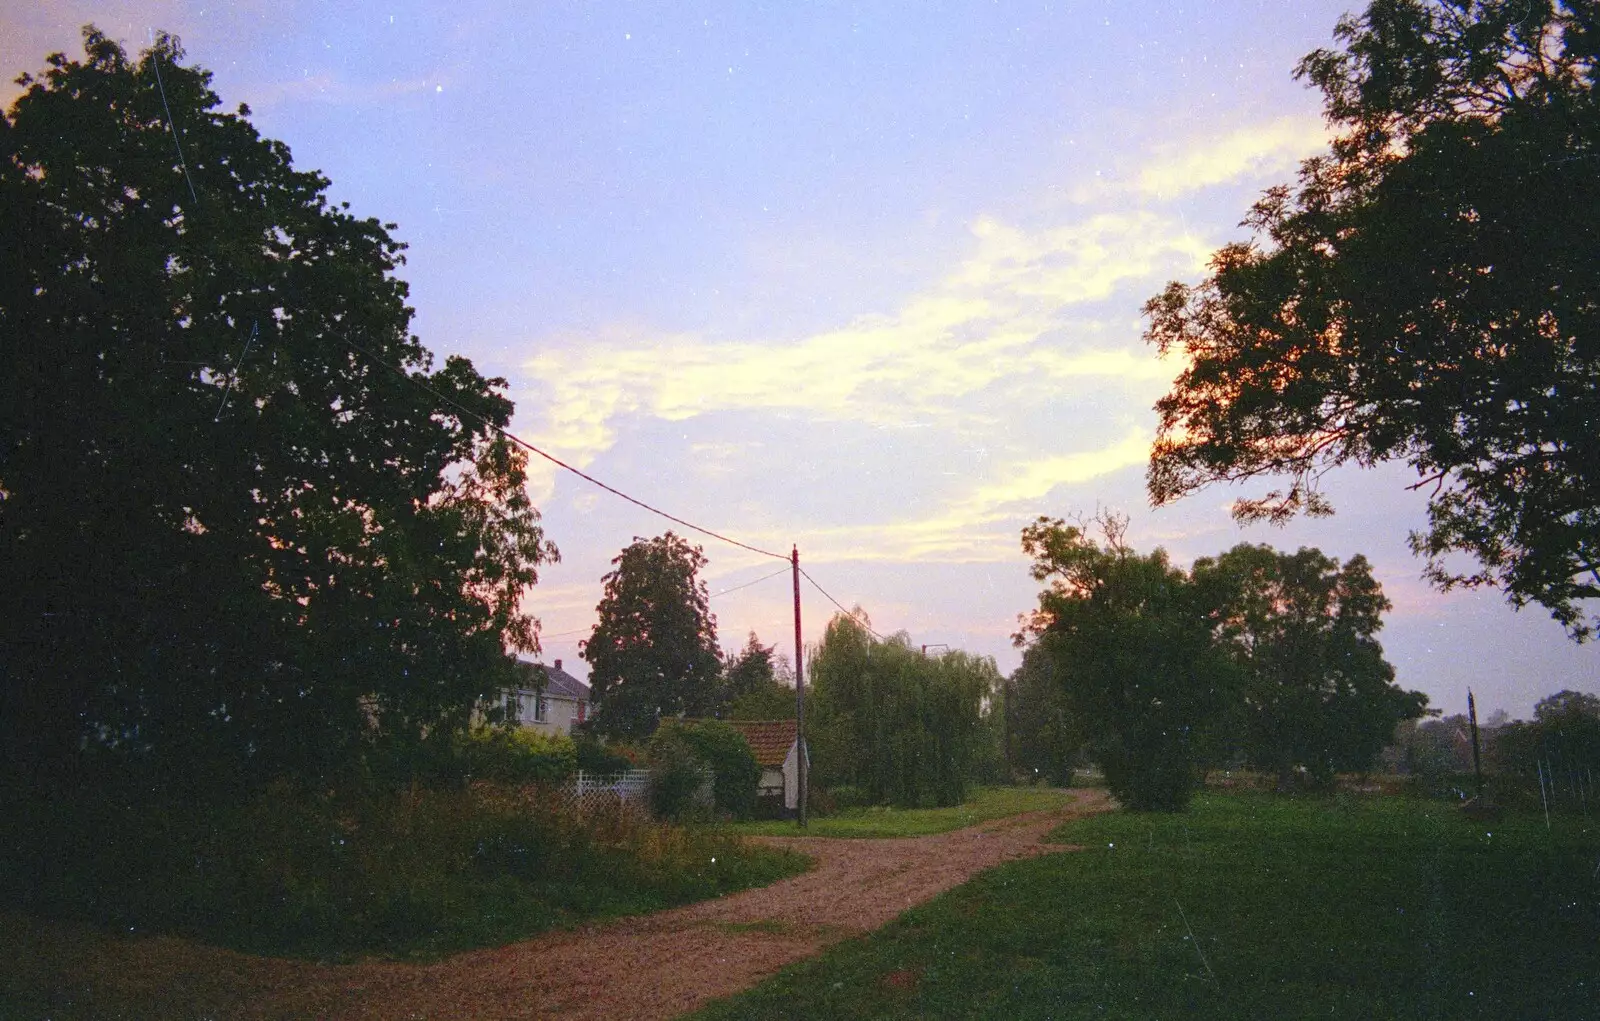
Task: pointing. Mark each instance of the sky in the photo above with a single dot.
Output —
(863, 280)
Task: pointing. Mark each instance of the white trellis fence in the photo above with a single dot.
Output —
(588, 788)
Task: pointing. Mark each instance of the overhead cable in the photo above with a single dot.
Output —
(768, 577)
(848, 613)
(519, 441)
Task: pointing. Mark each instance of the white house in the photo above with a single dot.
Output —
(562, 704)
(777, 750)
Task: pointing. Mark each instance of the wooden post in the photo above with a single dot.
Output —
(799, 691)
(1477, 765)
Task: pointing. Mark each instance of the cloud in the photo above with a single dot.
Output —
(1256, 150)
(1012, 339)
(982, 523)
(999, 315)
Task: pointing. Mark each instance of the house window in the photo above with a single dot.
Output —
(583, 708)
(541, 710)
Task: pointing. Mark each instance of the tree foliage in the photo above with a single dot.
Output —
(234, 532)
(1561, 743)
(1314, 692)
(901, 726)
(1429, 292)
(653, 653)
(757, 684)
(735, 774)
(1128, 639)
(1043, 737)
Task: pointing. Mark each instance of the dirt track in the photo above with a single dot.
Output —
(654, 966)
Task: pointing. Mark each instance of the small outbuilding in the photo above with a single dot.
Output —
(777, 750)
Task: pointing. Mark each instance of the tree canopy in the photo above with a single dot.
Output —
(1255, 654)
(1129, 641)
(902, 727)
(757, 684)
(653, 653)
(1043, 737)
(234, 530)
(1314, 692)
(1428, 292)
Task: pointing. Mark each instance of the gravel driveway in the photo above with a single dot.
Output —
(652, 966)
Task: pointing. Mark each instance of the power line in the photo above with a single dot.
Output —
(765, 577)
(519, 441)
(848, 613)
(774, 574)
(562, 634)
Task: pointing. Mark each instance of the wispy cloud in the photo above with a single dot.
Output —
(1016, 325)
(1252, 151)
(999, 315)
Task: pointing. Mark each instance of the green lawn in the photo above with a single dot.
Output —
(1250, 906)
(983, 804)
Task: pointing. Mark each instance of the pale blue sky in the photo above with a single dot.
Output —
(861, 278)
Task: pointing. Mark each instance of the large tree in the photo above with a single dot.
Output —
(1130, 646)
(1428, 292)
(235, 537)
(1314, 693)
(653, 653)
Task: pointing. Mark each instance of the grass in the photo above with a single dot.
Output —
(1250, 906)
(412, 876)
(985, 803)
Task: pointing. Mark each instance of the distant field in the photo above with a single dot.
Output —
(985, 803)
(1250, 906)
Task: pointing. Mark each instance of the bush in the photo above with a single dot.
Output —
(676, 776)
(517, 755)
(292, 871)
(820, 803)
(735, 773)
(594, 756)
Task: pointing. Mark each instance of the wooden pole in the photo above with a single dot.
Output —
(1477, 765)
(799, 690)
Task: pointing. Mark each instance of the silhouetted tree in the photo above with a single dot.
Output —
(751, 686)
(234, 542)
(1430, 292)
(1042, 736)
(653, 653)
(1128, 638)
(1314, 692)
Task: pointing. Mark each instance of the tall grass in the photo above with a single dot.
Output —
(414, 872)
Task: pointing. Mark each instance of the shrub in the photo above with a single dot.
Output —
(594, 756)
(850, 796)
(517, 755)
(735, 773)
(676, 776)
(820, 803)
(287, 870)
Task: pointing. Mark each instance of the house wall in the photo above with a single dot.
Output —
(772, 783)
(561, 713)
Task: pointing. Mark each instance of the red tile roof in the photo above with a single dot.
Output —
(769, 739)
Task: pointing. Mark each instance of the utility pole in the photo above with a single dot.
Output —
(799, 690)
(1477, 766)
